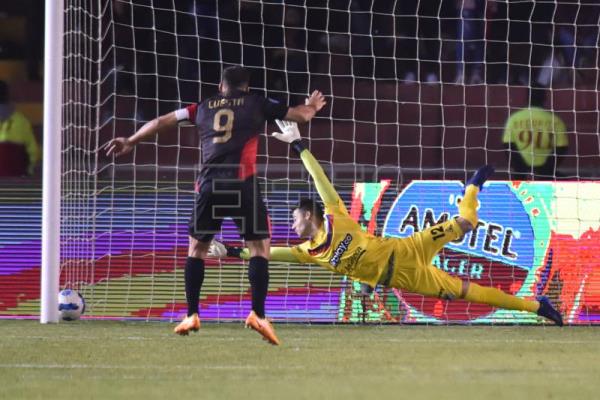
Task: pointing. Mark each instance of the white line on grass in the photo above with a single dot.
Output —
(471, 340)
(148, 367)
(132, 338)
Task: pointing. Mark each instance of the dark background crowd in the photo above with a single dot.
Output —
(394, 69)
(547, 43)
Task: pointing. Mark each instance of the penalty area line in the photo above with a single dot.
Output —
(147, 367)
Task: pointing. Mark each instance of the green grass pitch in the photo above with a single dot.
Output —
(136, 360)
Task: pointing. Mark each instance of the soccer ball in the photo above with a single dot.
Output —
(70, 305)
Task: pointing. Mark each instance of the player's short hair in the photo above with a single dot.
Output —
(235, 77)
(4, 93)
(314, 207)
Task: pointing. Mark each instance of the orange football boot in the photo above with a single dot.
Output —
(262, 326)
(191, 323)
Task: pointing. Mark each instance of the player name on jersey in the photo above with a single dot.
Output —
(226, 103)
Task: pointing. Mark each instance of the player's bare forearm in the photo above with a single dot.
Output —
(301, 113)
(306, 112)
(121, 145)
(154, 127)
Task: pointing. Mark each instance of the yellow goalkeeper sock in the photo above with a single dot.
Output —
(497, 298)
(468, 206)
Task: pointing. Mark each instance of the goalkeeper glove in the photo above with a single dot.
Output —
(220, 250)
(289, 134)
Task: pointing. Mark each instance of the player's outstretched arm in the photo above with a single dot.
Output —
(220, 250)
(122, 145)
(290, 134)
(305, 112)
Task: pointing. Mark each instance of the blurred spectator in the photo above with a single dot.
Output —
(35, 37)
(541, 37)
(588, 28)
(419, 44)
(406, 43)
(536, 140)
(519, 42)
(530, 39)
(361, 21)
(294, 55)
(554, 70)
(575, 43)
(19, 151)
(496, 46)
(429, 41)
(470, 40)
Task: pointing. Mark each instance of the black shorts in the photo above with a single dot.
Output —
(240, 201)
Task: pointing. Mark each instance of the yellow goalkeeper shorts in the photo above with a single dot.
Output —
(413, 271)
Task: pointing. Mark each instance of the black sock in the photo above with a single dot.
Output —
(194, 277)
(258, 274)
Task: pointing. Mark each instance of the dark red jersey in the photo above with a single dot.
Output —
(229, 126)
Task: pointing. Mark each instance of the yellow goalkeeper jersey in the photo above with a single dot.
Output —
(341, 245)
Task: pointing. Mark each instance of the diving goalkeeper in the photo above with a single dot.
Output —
(337, 242)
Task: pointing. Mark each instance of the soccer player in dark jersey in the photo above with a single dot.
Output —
(229, 125)
(337, 242)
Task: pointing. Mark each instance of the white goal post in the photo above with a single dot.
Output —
(51, 191)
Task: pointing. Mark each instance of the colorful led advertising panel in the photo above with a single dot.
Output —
(127, 258)
(532, 239)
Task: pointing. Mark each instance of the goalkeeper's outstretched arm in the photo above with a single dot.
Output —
(290, 134)
(220, 250)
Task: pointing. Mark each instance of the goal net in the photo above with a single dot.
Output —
(419, 95)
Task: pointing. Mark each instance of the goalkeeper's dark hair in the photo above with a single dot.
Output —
(236, 77)
(314, 207)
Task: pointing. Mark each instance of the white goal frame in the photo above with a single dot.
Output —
(51, 186)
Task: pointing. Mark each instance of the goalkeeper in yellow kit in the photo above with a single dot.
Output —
(337, 242)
